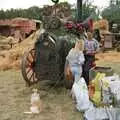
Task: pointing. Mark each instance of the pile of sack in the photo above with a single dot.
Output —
(104, 90)
(101, 99)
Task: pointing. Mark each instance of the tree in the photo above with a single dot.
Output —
(112, 12)
(90, 10)
(114, 2)
(2, 14)
(87, 10)
(34, 12)
(79, 10)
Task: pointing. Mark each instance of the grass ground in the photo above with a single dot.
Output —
(15, 100)
(57, 103)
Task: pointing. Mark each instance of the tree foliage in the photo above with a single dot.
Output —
(88, 10)
(32, 13)
(35, 12)
(112, 12)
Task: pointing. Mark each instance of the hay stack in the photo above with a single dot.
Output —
(101, 25)
(11, 59)
(7, 43)
(2, 37)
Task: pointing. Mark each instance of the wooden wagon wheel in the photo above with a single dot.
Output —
(27, 67)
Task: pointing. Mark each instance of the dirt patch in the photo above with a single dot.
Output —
(110, 56)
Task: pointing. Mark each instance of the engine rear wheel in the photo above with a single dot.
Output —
(27, 67)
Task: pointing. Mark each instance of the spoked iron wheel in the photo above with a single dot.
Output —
(27, 67)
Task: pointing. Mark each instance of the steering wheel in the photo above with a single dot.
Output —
(55, 1)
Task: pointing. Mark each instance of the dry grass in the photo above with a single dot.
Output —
(57, 103)
(110, 56)
(15, 100)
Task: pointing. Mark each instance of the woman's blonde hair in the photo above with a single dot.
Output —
(79, 45)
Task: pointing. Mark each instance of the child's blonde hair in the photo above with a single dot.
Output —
(79, 45)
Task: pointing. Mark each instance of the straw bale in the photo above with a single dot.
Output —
(101, 24)
(11, 59)
(16, 65)
(5, 64)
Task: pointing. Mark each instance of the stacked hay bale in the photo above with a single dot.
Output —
(102, 25)
(106, 37)
(10, 59)
(7, 43)
(4, 44)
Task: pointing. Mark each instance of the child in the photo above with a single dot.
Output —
(75, 59)
(79, 90)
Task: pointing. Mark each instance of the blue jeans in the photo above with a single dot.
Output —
(76, 71)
